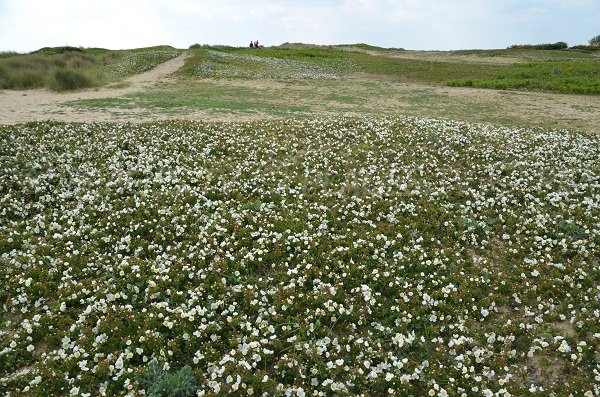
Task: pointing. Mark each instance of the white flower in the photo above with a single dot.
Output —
(564, 347)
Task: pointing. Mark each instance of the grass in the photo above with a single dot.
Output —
(72, 68)
(567, 77)
(328, 63)
(568, 71)
(52, 71)
(536, 70)
(200, 97)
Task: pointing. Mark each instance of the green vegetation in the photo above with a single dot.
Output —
(561, 45)
(52, 71)
(303, 257)
(586, 48)
(322, 63)
(159, 383)
(72, 68)
(313, 255)
(369, 47)
(568, 77)
(524, 67)
(538, 69)
(123, 63)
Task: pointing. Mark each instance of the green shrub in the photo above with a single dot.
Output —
(6, 54)
(587, 48)
(560, 45)
(69, 80)
(194, 46)
(57, 50)
(159, 383)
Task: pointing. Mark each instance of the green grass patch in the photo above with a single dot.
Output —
(567, 77)
(198, 97)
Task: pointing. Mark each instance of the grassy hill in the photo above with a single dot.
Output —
(569, 71)
(561, 71)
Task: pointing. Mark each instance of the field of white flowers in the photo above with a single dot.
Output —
(314, 257)
(219, 64)
(127, 63)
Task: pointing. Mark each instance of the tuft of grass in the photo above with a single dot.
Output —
(20, 79)
(70, 80)
(159, 383)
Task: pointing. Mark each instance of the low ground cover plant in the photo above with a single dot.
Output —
(308, 257)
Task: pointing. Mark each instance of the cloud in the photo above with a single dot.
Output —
(416, 24)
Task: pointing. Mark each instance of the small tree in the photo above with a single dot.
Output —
(595, 40)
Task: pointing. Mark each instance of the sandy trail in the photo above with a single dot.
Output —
(42, 104)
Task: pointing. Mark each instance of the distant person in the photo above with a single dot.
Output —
(251, 44)
(256, 44)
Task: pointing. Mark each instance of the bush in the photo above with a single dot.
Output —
(587, 48)
(57, 50)
(560, 45)
(68, 80)
(194, 46)
(6, 54)
(595, 41)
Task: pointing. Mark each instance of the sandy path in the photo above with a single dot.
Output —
(41, 104)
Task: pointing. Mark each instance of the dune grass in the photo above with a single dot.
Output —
(72, 68)
(55, 71)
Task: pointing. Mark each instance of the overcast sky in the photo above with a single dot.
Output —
(27, 25)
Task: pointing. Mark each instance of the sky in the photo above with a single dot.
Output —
(27, 25)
